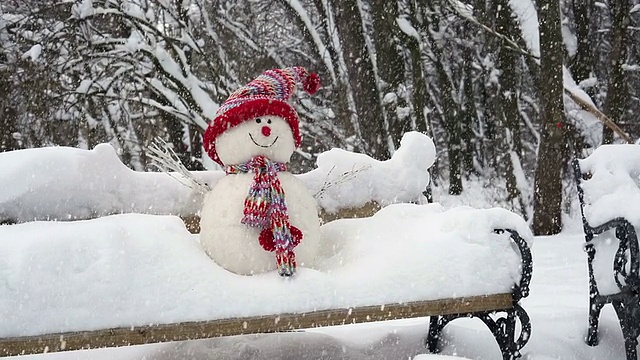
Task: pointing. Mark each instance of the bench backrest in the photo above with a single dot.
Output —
(579, 176)
(608, 184)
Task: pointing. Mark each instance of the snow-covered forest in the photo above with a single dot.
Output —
(474, 75)
(445, 130)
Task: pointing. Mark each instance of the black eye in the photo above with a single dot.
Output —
(268, 121)
(258, 120)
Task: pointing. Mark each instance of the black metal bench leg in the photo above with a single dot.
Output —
(504, 331)
(595, 307)
(631, 345)
(436, 324)
(508, 347)
(502, 325)
(627, 315)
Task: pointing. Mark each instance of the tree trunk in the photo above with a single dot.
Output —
(346, 114)
(361, 77)
(508, 134)
(390, 64)
(452, 116)
(8, 117)
(469, 115)
(547, 198)
(615, 103)
(454, 135)
(419, 86)
(582, 62)
(419, 89)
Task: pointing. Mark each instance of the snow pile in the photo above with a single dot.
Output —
(345, 179)
(67, 183)
(614, 187)
(135, 269)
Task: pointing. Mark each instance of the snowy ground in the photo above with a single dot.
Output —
(557, 306)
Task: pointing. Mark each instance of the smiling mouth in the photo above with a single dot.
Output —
(263, 146)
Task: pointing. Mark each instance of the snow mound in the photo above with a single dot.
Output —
(134, 269)
(354, 179)
(68, 184)
(614, 187)
(64, 183)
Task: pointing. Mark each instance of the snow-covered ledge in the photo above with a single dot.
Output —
(70, 184)
(135, 269)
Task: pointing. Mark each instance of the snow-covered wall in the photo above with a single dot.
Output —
(68, 184)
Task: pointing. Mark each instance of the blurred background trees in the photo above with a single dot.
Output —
(473, 74)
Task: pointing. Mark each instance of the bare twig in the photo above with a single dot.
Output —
(166, 160)
(344, 177)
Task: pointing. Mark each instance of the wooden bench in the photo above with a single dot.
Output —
(614, 242)
(500, 312)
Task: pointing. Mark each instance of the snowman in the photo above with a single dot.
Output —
(259, 217)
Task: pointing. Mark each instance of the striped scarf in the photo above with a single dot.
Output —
(266, 209)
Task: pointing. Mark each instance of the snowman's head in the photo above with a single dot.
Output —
(257, 118)
(270, 136)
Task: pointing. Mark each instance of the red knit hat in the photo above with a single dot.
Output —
(265, 95)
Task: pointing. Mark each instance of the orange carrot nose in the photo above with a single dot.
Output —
(266, 131)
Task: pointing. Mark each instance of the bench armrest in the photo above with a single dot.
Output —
(626, 234)
(624, 231)
(521, 290)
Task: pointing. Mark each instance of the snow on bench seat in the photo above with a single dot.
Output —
(132, 269)
(611, 190)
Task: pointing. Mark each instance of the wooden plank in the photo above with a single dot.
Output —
(139, 335)
(192, 222)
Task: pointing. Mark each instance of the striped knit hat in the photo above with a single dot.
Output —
(266, 95)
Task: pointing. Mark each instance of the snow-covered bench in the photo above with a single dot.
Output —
(135, 279)
(608, 183)
(97, 279)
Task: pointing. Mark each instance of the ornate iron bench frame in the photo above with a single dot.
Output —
(500, 312)
(627, 301)
(501, 322)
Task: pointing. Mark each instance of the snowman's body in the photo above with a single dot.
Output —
(232, 244)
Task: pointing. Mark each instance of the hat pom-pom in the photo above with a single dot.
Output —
(311, 83)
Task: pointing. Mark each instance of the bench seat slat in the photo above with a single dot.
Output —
(139, 335)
